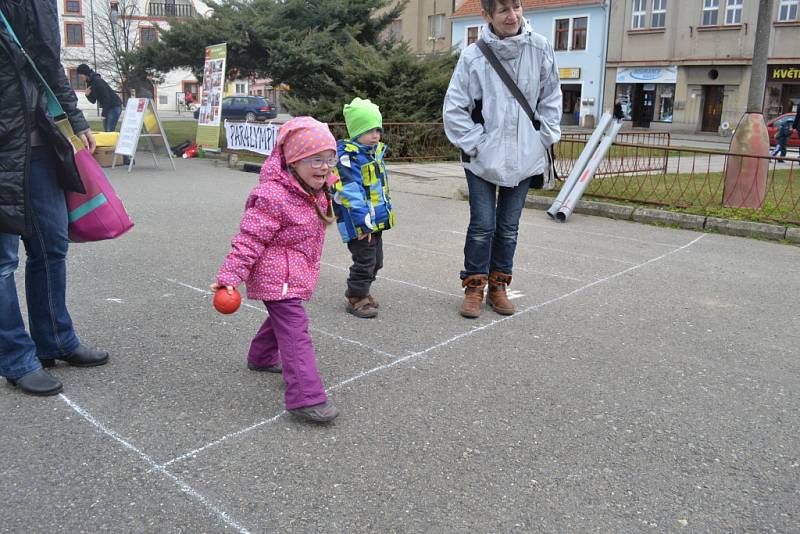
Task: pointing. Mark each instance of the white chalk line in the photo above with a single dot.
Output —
(232, 435)
(312, 328)
(461, 258)
(397, 281)
(557, 250)
(444, 343)
(186, 488)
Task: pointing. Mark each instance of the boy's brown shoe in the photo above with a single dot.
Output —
(497, 297)
(363, 307)
(473, 295)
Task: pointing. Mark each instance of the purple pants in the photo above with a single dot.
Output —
(284, 339)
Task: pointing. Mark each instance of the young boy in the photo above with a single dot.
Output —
(362, 203)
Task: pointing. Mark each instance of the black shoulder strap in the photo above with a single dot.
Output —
(503, 73)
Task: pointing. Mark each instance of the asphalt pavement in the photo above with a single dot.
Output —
(648, 383)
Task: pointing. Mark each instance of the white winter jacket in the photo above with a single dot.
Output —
(506, 149)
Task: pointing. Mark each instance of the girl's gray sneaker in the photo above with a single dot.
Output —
(319, 413)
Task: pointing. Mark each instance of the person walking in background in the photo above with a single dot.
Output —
(188, 100)
(277, 255)
(37, 167)
(362, 203)
(796, 126)
(501, 147)
(782, 137)
(619, 114)
(98, 90)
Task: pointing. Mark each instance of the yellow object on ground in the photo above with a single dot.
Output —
(106, 138)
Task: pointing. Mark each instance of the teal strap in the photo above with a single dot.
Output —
(87, 207)
(54, 108)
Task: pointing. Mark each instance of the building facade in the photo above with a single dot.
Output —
(92, 29)
(425, 25)
(578, 31)
(685, 66)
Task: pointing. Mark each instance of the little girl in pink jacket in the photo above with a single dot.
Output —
(277, 253)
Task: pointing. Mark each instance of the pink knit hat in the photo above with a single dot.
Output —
(302, 137)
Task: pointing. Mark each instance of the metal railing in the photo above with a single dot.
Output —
(693, 180)
(170, 9)
(641, 168)
(630, 137)
(410, 141)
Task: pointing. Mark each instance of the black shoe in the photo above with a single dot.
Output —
(267, 369)
(318, 413)
(80, 357)
(39, 382)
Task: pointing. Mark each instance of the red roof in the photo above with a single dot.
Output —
(471, 8)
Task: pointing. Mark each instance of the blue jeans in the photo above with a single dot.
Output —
(51, 332)
(111, 118)
(493, 225)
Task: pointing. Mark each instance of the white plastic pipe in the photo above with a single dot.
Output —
(580, 163)
(588, 173)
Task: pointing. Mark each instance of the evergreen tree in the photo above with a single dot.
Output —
(327, 51)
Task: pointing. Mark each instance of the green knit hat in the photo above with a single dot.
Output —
(361, 116)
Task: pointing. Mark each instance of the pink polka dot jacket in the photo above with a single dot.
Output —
(279, 245)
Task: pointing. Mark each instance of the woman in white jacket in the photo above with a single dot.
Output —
(499, 144)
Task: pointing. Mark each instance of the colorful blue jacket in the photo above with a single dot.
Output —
(361, 198)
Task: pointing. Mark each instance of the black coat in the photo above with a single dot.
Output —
(796, 123)
(103, 93)
(23, 105)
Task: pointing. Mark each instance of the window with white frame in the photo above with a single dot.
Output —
(472, 35)
(579, 29)
(241, 89)
(436, 26)
(710, 12)
(639, 17)
(659, 15)
(73, 34)
(561, 41)
(788, 10)
(147, 35)
(72, 7)
(570, 34)
(733, 12)
(75, 80)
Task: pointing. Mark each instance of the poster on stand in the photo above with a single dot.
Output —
(208, 119)
(140, 120)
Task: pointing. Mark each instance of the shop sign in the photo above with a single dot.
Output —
(570, 74)
(781, 73)
(647, 74)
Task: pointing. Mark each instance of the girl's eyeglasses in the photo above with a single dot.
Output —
(316, 162)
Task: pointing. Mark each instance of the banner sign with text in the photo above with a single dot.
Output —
(251, 136)
(647, 74)
(208, 119)
(780, 73)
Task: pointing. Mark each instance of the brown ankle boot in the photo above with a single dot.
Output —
(497, 297)
(473, 295)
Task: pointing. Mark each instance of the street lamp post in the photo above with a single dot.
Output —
(94, 51)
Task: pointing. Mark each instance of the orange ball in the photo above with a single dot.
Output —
(225, 303)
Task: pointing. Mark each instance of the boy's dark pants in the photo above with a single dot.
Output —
(367, 256)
